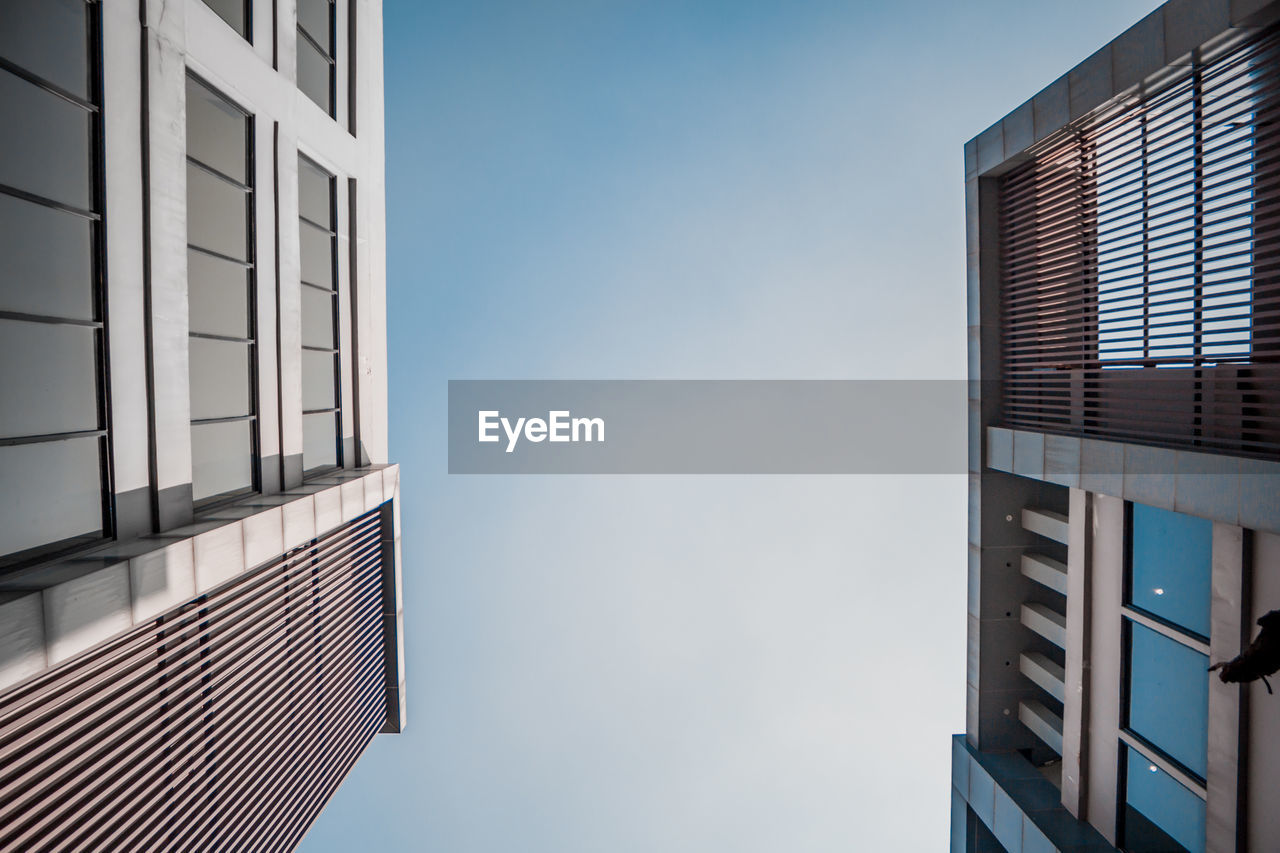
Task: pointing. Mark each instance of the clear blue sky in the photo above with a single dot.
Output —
(661, 189)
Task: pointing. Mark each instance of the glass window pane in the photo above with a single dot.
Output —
(217, 214)
(316, 248)
(231, 11)
(319, 441)
(221, 458)
(315, 200)
(48, 379)
(317, 380)
(218, 294)
(216, 132)
(313, 16)
(219, 379)
(313, 74)
(1161, 816)
(46, 261)
(47, 151)
(1172, 565)
(317, 317)
(54, 492)
(1169, 697)
(47, 37)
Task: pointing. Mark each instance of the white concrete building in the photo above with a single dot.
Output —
(199, 537)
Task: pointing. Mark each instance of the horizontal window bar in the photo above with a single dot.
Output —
(220, 256)
(48, 202)
(306, 35)
(319, 287)
(316, 225)
(53, 321)
(332, 411)
(226, 420)
(311, 348)
(52, 88)
(1185, 778)
(1186, 638)
(222, 176)
(51, 437)
(228, 338)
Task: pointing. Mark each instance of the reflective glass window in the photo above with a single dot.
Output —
(316, 63)
(1160, 815)
(215, 132)
(318, 248)
(221, 458)
(47, 152)
(49, 38)
(1169, 696)
(319, 441)
(53, 493)
(220, 294)
(1172, 566)
(46, 260)
(234, 12)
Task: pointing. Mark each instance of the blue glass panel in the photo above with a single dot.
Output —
(1169, 696)
(1172, 563)
(1161, 816)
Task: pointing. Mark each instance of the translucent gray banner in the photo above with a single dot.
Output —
(707, 427)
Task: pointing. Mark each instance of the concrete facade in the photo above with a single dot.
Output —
(1050, 535)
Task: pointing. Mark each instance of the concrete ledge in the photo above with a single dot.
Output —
(1045, 571)
(1044, 673)
(1046, 622)
(1046, 724)
(53, 612)
(1008, 790)
(1046, 523)
(1217, 486)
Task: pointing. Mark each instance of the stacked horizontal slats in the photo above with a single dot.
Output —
(1140, 266)
(224, 725)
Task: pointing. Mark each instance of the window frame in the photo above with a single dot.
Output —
(335, 295)
(331, 56)
(1128, 737)
(247, 6)
(250, 265)
(96, 216)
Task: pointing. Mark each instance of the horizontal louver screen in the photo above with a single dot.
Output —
(223, 725)
(1140, 266)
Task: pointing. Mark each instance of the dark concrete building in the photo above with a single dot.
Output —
(1124, 519)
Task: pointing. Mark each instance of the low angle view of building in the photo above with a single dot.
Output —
(200, 618)
(1124, 464)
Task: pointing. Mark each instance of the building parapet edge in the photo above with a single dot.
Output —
(1020, 807)
(1233, 490)
(1175, 35)
(55, 612)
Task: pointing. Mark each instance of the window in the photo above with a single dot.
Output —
(54, 471)
(317, 67)
(317, 238)
(1166, 713)
(234, 12)
(1136, 252)
(220, 287)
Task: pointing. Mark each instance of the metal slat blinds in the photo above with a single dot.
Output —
(224, 724)
(1140, 266)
